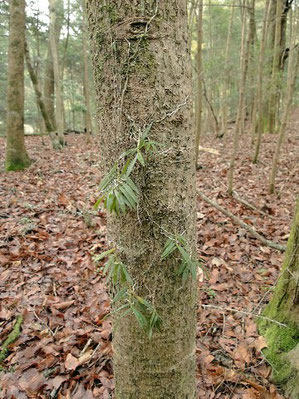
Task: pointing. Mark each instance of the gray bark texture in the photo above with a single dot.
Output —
(141, 60)
(16, 155)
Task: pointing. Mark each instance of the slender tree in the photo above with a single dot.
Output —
(275, 74)
(140, 53)
(259, 91)
(53, 5)
(49, 88)
(227, 72)
(292, 74)
(40, 101)
(86, 89)
(240, 113)
(199, 80)
(16, 155)
(283, 332)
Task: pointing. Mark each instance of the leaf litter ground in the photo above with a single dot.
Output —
(49, 232)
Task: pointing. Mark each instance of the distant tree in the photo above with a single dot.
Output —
(53, 5)
(258, 112)
(291, 81)
(40, 100)
(86, 88)
(240, 113)
(16, 155)
(140, 52)
(282, 350)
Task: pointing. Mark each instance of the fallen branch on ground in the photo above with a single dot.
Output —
(13, 336)
(238, 221)
(250, 206)
(243, 312)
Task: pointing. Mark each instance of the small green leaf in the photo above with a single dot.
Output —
(144, 302)
(110, 201)
(169, 247)
(182, 268)
(120, 201)
(104, 255)
(140, 158)
(184, 254)
(127, 275)
(131, 166)
(108, 178)
(140, 318)
(132, 185)
(109, 264)
(120, 295)
(98, 202)
(127, 192)
(146, 131)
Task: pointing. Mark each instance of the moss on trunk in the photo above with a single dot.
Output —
(284, 308)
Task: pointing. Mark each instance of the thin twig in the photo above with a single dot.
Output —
(242, 224)
(245, 313)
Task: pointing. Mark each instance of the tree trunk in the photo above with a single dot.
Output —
(49, 88)
(199, 81)
(283, 347)
(238, 124)
(251, 60)
(292, 74)
(57, 75)
(39, 100)
(86, 90)
(16, 155)
(227, 72)
(141, 59)
(275, 75)
(259, 92)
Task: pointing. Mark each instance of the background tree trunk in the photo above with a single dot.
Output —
(259, 92)
(140, 53)
(16, 155)
(283, 347)
(227, 71)
(38, 94)
(53, 4)
(86, 90)
(49, 88)
(240, 114)
(199, 81)
(292, 74)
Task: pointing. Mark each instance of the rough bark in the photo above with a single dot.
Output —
(283, 348)
(53, 4)
(16, 155)
(141, 60)
(199, 81)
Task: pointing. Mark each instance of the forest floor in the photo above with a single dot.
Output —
(49, 233)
